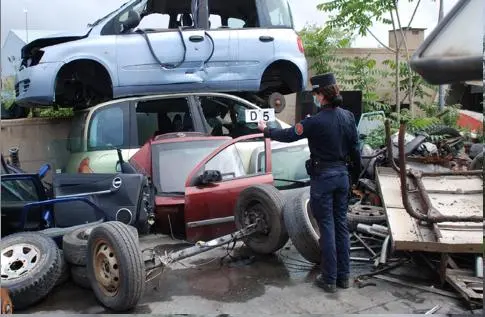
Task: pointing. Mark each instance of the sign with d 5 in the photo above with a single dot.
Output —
(256, 115)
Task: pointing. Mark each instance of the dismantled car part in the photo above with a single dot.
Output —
(431, 215)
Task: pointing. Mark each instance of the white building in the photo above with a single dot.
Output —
(14, 42)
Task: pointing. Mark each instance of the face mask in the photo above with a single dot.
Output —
(316, 102)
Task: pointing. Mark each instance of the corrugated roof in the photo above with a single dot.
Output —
(33, 34)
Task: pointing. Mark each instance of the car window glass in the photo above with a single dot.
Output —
(18, 190)
(227, 117)
(287, 162)
(234, 14)
(175, 160)
(107, 129)
(157, 117)
(279, 13)
(237, 160)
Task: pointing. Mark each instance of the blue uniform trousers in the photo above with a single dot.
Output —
(329, 203)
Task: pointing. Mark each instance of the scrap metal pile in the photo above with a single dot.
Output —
(422, 197)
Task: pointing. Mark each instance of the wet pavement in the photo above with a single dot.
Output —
(223, 282)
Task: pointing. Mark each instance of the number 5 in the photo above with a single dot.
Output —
(265, 116)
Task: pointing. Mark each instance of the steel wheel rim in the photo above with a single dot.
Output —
(256, 213)
(106, 268)
(18, 260)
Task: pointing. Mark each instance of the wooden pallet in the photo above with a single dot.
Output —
(469, 286)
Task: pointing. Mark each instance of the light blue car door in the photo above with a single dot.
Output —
(163, 57)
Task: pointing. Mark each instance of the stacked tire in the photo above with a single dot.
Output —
(75, 247)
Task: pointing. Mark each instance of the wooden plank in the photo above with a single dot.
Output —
(460, 281)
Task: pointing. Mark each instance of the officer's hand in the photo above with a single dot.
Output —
(261, 126)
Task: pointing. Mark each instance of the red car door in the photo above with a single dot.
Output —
(209, 209)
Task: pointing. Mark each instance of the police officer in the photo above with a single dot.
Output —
(332, 138)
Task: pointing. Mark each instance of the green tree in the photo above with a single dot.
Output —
(357, 16)
(321, 44)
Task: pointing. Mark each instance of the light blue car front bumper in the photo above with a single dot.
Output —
(34, 86)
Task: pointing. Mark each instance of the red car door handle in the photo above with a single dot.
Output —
(265, 38)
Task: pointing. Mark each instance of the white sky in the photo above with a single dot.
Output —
(75, 14)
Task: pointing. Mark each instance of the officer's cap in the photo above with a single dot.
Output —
(323, 80)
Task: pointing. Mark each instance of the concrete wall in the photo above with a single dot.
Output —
(39, 141)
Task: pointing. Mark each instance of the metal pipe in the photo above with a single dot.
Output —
(385, 245)
(390, 155)
(366, 246)
(479, 267)
(380, 228)
(368, 229)
(433, 310)
(202, 247)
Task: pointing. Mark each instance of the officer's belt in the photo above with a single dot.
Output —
(320, 165)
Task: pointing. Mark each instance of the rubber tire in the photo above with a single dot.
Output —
(300, 229)
(130, 261)
(477, 163)
(64, 271)
(272, 99)
(357, 215)
(33, 287)
(75, 244)
(79, 276)
(273, 202)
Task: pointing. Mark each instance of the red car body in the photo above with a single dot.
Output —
(202, 212)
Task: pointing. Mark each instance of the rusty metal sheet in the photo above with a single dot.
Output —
(409, 234)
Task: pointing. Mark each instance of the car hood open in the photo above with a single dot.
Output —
(54, 39)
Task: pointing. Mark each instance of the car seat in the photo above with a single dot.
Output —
(188, 124)
(164, 124)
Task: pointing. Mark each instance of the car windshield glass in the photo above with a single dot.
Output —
(18, 190)
(75, 140)
(279, 13)
(288, 163)
(172, 162)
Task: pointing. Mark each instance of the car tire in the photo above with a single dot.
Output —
(114, 256)
(273, 99)
(268, 200)
(364, 214)
(79, 276)
(39, 278)
(75, 244)
(64, 271)
(302, 227)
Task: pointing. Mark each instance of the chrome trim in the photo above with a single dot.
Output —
(124, 209)
(117, 182)
(208, 222)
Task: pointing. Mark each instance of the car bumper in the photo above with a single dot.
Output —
(34, 85)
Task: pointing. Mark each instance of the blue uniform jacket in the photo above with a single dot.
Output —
(332, 137)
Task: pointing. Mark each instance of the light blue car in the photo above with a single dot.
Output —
(169, 46)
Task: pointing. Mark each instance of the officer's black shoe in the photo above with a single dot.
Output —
(343, 283)
(329, 288)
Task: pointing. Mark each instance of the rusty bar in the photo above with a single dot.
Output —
(453, 173)
(433, 215)
(390, 155)
(403, 177)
